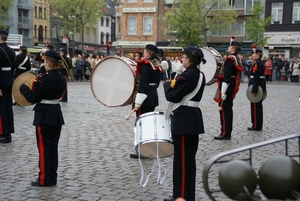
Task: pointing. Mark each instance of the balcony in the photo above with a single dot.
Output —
(25, 4)
(25, 23)
(8, 22)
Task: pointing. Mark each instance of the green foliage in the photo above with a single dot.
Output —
(191, 20)
(4, 11)
(77, 15)
(256, 24)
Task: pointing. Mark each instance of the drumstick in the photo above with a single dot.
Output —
(127, 116)
(220, 107)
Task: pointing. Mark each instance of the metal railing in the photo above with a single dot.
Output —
(217, 158)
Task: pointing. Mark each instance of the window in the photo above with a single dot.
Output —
(107, 21)
(35, 31)
(61, 31)
(238, 4)
(277, 9)
(296, 13)
(102, 21)
(131, 25)
(147, 29)
(53, 31)
(118, 25)
(249, 6)
(46, 31)
(35, 11)
(40, 37)
(236, 29)
(40, 12)
(148, 1)
(44, 14)
(132, 1)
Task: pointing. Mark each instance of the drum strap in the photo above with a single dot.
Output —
(21, 64)
(172, 106)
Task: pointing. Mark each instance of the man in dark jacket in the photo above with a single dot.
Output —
(7, 59)
(278, 65)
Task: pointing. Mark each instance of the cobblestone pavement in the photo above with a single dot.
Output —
(96, 141)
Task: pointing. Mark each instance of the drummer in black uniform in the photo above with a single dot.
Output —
(7, 59)
(257, 79)
(228, 85)
(45, 91)
(186, 122)
(148, 72)
(22, 63)
(64, 70)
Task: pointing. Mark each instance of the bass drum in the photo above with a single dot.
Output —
(113, 81)
(213, 64)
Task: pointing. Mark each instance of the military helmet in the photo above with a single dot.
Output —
(278, 177)
(234, 176)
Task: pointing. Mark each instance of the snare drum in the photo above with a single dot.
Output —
(113, 81)
(213, 64)
(153, 135)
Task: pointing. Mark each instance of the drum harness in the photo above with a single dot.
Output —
(159, 179)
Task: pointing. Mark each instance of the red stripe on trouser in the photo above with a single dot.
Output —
(1, 128)
(255, 117)
(182, 166)
(223, 122)
(139, 112)
(41, 155)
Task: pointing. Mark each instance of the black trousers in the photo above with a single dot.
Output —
(144, 109)
(47, 142)
(257, 115)
(6, 112)
(184, 166)
(226, 116)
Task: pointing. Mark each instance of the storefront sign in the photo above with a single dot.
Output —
(132, 43)
(284, 39)
(139, 10)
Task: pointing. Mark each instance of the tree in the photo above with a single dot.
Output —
(4, 11)
(78, 16)
(191, 20)
(255, 27)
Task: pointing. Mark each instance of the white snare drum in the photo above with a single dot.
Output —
(153, 135)
(113, 81)
(213, 64)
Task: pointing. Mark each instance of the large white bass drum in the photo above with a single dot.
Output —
(214, 62)
(113, 81)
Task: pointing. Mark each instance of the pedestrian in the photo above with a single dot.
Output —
(278, 65)
(228, 85)
(148, 72)
(79, 67)
(186, 122)
(295, 68)
(45, 91)
(64, 69)
(22, 63)
(268, 70)
(7, 59)
(257, 79)
(286, 67)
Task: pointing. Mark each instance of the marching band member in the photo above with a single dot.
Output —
(257, 78)
(148, 71)
(22, 63)
(228, 86)
(7, 59)
(66, 66)
(45, 91)
(186, 122)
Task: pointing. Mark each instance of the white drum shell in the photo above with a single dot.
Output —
(146, 142)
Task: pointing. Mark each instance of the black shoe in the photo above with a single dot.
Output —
(220, 137)
(35, 182)
(252, 129)
(169, 199)
(136, 156)
(6, 139)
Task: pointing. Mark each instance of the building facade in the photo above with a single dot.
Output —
(284, 32)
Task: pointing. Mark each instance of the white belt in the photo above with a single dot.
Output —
(6, 68)
(152, 84)
(22, 68)
(192, 104)
(262, 77)
(55, 101)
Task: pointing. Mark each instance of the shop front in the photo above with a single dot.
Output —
(286, 44)
(130, 49)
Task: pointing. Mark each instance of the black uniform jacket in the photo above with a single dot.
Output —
(19, 60)
(186, 119)
(229, 75)
(257, 70)
(6, 77)
(148, 77)
(49, 86)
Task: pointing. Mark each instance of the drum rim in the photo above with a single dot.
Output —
(91, 81)
(141, 143)
(150, 113)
